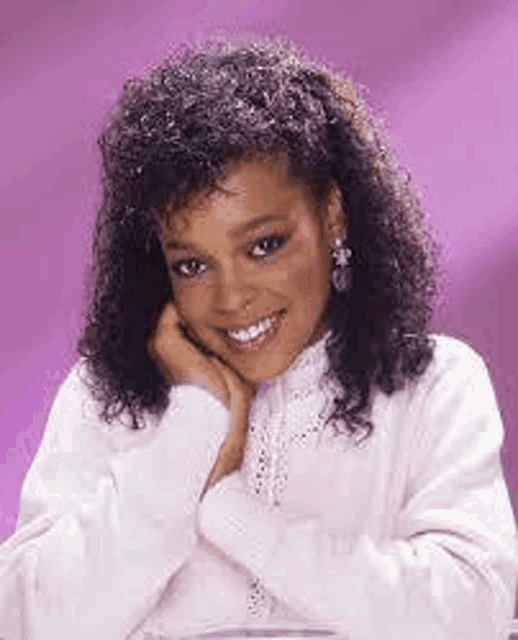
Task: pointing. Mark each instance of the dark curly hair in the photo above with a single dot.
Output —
(174, 133)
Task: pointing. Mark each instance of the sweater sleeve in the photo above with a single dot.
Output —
(103, 528)
(449, 573)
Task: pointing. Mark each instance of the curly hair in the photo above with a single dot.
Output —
(174, 132)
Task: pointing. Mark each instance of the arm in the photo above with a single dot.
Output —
(448, 574)
(101, 530)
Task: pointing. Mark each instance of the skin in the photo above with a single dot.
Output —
(228, 286)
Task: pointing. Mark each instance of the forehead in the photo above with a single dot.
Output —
(247, 189)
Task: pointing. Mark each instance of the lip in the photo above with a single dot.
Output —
(252, 323)
(262, 341)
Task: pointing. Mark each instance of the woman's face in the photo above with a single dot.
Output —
(229, 270)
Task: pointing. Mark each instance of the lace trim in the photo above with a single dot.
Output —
(268, 481)
(259, 601)
(268, 456)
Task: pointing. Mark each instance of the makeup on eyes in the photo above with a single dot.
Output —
(248, 228)
(277, 241)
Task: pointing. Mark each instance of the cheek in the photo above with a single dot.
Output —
(310, 277)
(189, 306)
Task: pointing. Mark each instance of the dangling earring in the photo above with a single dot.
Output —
(342, 271)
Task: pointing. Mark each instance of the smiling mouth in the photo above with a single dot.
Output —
(271, 318)
(259, 341)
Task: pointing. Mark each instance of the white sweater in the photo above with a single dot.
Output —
(410, 536)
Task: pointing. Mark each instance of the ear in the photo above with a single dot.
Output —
(336, 219)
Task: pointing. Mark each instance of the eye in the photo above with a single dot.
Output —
(278, 240)
(176, 268)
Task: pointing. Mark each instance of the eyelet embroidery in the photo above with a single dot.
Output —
(267, 458)
(267, 483)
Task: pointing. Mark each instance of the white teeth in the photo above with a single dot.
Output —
(252, 332)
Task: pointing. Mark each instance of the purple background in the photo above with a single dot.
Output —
(444, 74)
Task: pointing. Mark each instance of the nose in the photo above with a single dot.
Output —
(232, 291)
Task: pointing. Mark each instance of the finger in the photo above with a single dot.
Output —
(228, 374)
(170, 315)
(215, 474)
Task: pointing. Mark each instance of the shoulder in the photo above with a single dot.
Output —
(74, 393)
(77, 390)
(76, 412)
(77, 407)
(456, 382)
(451, 352)
(454, 360)
(69, 393)
(456, 392)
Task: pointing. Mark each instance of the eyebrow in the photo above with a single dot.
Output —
(248, 226)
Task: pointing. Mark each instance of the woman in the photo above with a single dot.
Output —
(262, 271)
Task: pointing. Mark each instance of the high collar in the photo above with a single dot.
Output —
(302, 375)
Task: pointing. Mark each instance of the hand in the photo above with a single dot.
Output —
(180, 359)
(230, 455)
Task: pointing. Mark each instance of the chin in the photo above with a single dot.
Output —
(268, 371)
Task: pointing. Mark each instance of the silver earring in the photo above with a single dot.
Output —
(342, 271)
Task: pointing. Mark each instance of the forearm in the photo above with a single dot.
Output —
(98, 539)
(417, 586)
(230, 455)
